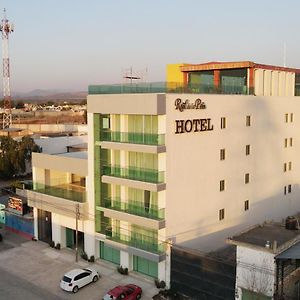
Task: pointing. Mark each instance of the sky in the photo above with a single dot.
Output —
(69, 44)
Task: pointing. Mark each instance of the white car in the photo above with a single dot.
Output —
(77, 278)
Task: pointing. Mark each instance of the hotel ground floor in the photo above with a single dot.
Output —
(52, 227)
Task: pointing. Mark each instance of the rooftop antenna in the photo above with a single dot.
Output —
(128, 75)
(6, 28)
(284, 54)
(139, 76)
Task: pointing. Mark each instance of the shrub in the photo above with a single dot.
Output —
(92, 258)
(123, 271)
(57, 246)
(84, 256)
(160, 284)
(52, 244)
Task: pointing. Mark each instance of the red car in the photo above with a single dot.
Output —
(125, 292)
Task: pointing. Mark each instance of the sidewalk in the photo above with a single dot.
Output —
(44, 266)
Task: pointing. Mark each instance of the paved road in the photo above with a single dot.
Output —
(14, 287)
(32, 270)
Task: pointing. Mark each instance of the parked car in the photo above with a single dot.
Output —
(73, 280)
(126, 292)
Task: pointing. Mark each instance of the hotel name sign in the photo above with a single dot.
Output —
(191, 125)
(183, 105)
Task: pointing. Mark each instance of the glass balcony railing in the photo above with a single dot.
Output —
(170, 87)
(135, 208)
(139, 241)
(65, 191)
(146, 175)
(135, 138)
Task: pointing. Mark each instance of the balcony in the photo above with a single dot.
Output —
(132, 173)
(142, 242)
(53, 199)
(134, 138)
(68, 191)
(135, 208)
(170, 87)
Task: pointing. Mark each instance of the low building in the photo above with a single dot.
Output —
(267, 258)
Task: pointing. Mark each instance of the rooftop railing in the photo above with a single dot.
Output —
(170, 87)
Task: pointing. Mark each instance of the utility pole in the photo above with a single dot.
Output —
(6, 28)
(76, 242)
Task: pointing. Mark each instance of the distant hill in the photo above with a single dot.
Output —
(50, 95)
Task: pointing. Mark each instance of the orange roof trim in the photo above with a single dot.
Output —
(234, 65)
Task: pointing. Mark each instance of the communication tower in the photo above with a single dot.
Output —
(6, 28)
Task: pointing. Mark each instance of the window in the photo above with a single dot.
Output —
(248, 120)
(290, 165)
(246, 205)
(292, 118)
(285, 143)
(221, 214)
(105, 122)
(223, 122)
(286, 117)
(287, 189)
(222, 154)
(291, 142)
(247, 149)
(222, 185)
(284, 167)
(247, 178)
(147, 201)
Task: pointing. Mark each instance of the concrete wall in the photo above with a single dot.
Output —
(148, 104)
(274, 83)
(53, 127)
(55, 145)
(57, 163)
(255, 271)
(194, 168)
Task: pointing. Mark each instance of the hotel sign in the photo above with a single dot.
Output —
(193, 125)
(183, 105)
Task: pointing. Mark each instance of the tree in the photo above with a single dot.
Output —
(20, 105)
(14, 155)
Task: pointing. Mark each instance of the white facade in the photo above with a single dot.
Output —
(255, 271)
(260, 165)
(194, 168)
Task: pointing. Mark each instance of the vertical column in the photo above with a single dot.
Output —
(126, 260)
(185, 78)
(250, 81)
(35, 223)
(164, 267)
(58, 231)
(217, 80)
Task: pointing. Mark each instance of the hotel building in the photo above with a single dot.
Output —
(189, 162)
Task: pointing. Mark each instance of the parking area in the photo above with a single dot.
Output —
(43, 267)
